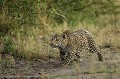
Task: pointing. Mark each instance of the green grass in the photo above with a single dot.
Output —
(33, 42)
(25, 32)
(7, 61)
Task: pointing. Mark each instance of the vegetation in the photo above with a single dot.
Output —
(25, 25)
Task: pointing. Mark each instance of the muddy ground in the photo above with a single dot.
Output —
(88, 68)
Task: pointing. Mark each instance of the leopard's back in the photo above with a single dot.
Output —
(81, 40)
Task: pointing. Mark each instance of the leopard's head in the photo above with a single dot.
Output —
(59, 41)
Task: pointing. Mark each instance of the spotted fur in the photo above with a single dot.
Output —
(71, 44)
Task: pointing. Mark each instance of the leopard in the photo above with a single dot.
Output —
(72, 43)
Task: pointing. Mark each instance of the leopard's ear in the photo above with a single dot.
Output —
(67, 32)
(56, 35)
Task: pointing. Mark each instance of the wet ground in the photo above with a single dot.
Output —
(88, 68)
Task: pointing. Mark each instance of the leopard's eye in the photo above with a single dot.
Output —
(56, 39)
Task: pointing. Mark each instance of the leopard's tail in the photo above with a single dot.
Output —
(92, 46)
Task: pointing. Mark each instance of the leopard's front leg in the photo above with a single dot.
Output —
(68, 58)
(62, 55)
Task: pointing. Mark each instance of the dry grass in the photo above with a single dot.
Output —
(34, 44)
(106, 36)
(1, 45)
(8, 61)
(110, 36)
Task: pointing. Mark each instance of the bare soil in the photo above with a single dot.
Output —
(89, 68)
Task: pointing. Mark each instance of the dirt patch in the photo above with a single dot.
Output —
(86, 69)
